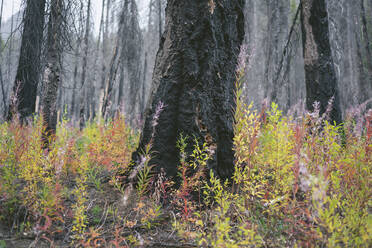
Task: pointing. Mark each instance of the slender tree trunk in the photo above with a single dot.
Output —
(104, 54)
(194, 78)
(321, 83)
(77, 60)
(123, 53)
(133, 49)
(83, 93)
(115, 61)
(28, 72)
(75, 78)
(114, 64)
(53, 66)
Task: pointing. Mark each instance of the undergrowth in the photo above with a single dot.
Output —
(299, 181)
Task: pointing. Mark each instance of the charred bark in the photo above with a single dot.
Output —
(320, 76)
(133, 50)
(75, 78)
(28, 72)
(114, 64)
(83, 93)
(115, 61)
(53, 67)
(104, 54)
(77, 61)
(194, 78)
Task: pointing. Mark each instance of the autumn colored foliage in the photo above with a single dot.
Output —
(299, 181)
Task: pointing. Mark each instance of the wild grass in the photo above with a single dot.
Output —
(299, 181)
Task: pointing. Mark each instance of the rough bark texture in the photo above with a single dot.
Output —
(53, 67)
(28, 72)
(133, 46)
(194, 78)
(83, 90)
(321, 83)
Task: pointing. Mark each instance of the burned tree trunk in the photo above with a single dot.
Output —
(53, 66)
(83, 89)
(77, 61)
(104, 54)
(133, 49)
(194, 78)
(115, 60)
(321, 83)
(28, 72)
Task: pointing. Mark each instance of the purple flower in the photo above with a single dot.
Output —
(159, 108)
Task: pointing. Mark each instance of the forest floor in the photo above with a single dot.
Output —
(298, 182)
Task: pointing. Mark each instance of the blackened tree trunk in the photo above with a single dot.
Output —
(28, 72)
(115, 60)
(53, 66)
(77, 60)
(321, 83)
(194, 78)
(104, 54)
(83, 93)
(133, 48)
(111, 76)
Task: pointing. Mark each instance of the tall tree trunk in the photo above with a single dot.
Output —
(133, 58)
(194, 78)
(75, 78)
(28, 72)
(83, 94)
(116, 59)
(321, 83)
(104, 54)
(77, 60)
(53, 66)
(114, 64)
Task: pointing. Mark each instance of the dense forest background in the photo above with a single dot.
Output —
(111, 62)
